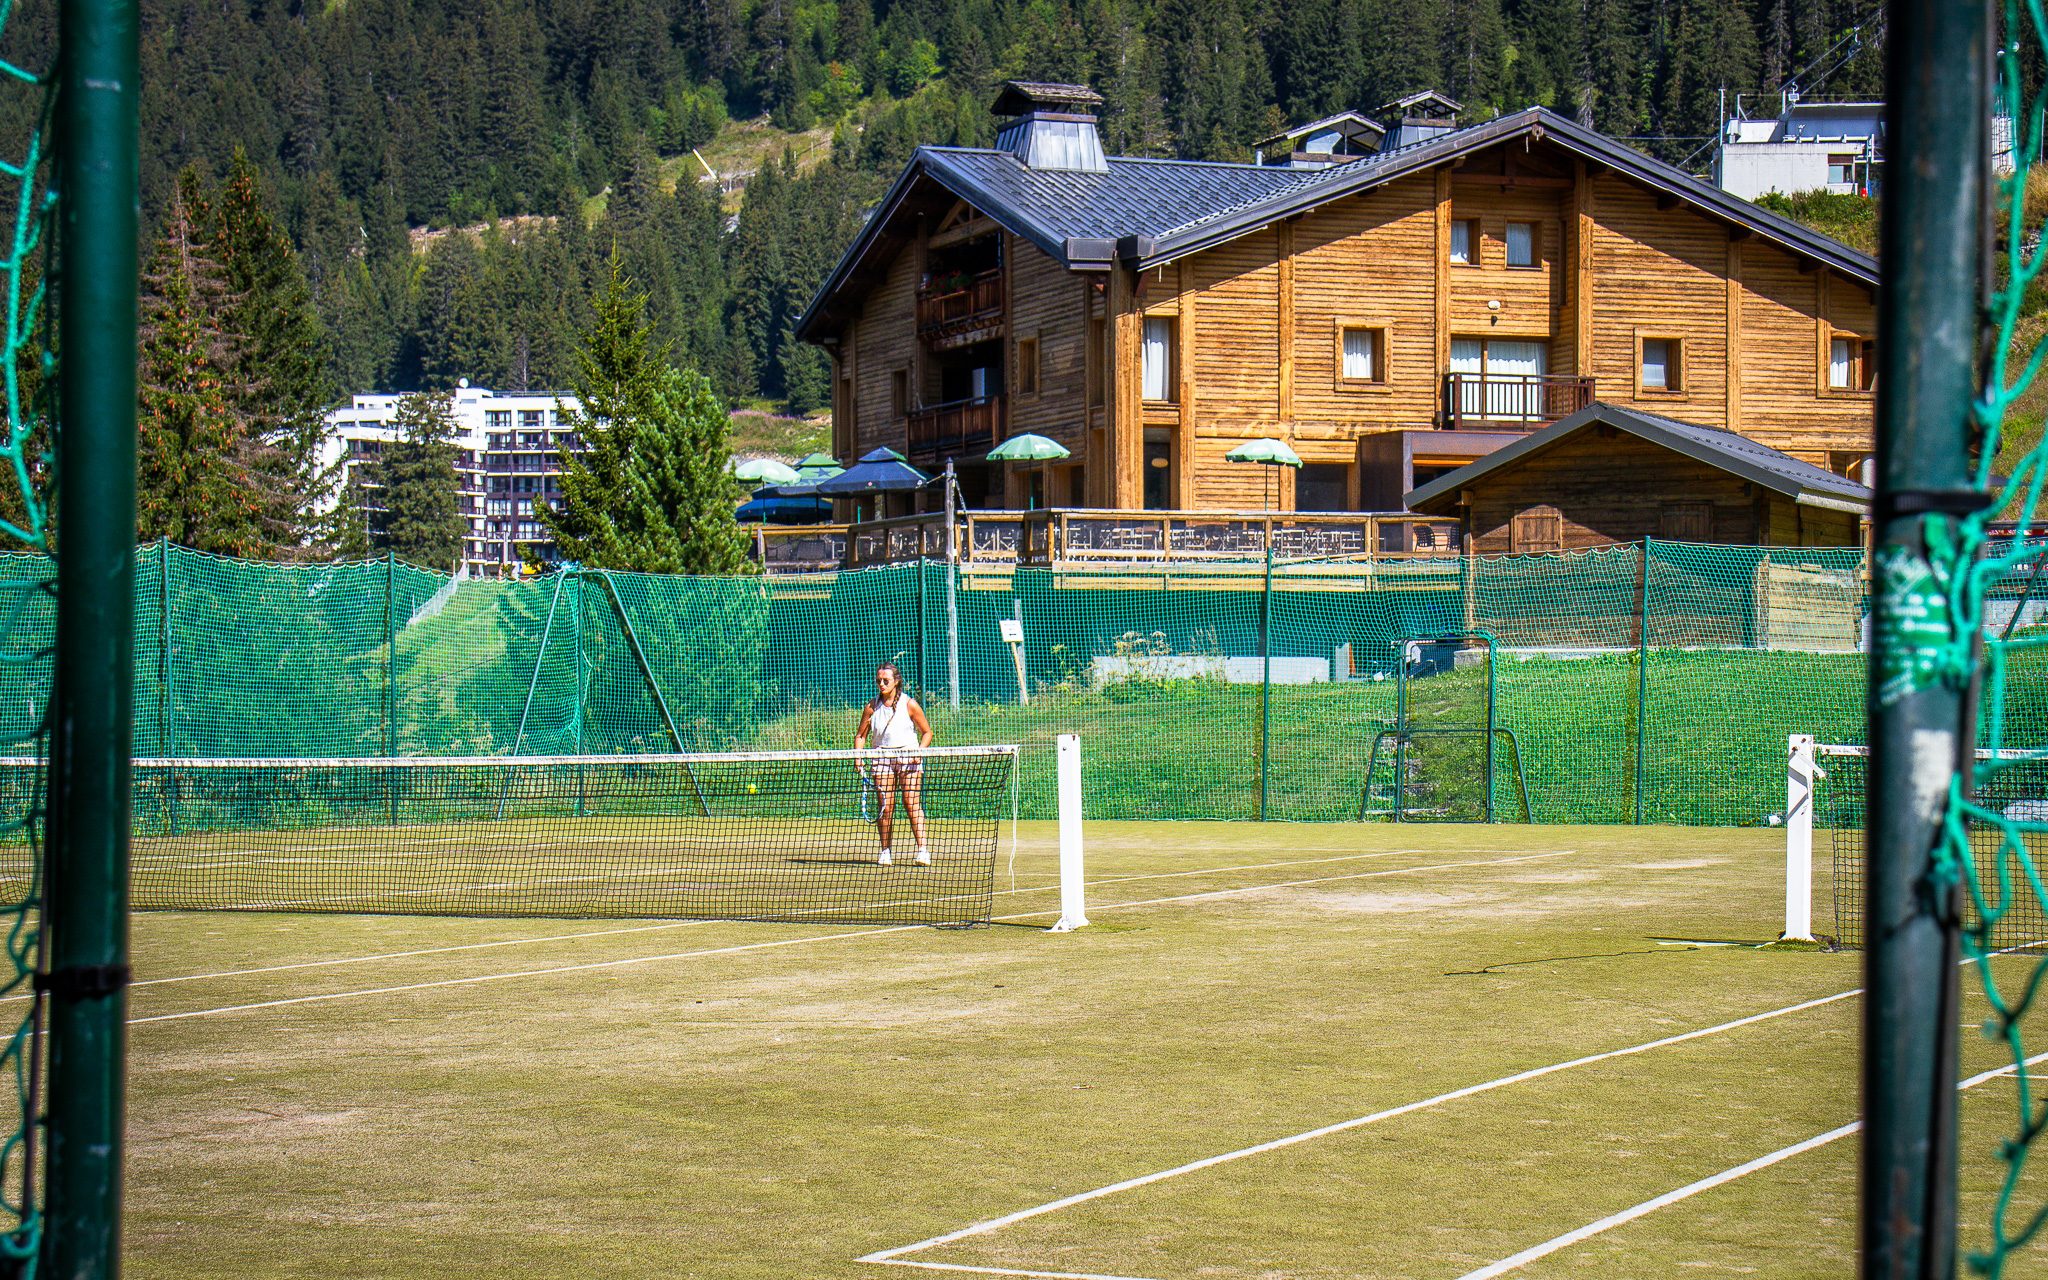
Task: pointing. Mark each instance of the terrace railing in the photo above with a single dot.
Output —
(956, 429)
(955, 313)
(1511, 401)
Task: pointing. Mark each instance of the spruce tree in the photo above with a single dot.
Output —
(422, 522)
(654, 490)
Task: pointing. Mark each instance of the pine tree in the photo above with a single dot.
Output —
(193, 482)
(421, 523)
(654, 491)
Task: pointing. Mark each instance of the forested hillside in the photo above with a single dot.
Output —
(368, 119)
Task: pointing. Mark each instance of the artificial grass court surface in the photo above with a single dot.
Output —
(375, 1096)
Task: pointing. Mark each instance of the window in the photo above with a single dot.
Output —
(1361, 353)
(529, 418)
(1662, 370)
(1158, 483)
(1158, 363)
(1537, 529)
(899, 393)
(497, 419)
(1841, 169)
(1521, 244)
(1077, 487)
(1027, 366)
(1464, 241)
(1852, 363)
(1507, 382)
(1321, 486)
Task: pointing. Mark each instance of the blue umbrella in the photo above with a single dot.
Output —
(880, 471)
(770, 508)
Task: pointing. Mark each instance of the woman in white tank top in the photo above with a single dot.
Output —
(898, 727)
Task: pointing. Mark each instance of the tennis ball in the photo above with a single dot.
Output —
(751, 788)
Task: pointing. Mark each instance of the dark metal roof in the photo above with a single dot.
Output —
(1136, 197)
(1020, 96)
(1715, 446)
(1146, 213)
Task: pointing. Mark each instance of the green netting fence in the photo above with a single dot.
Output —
(1643, 682)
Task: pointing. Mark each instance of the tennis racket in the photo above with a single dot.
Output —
(867, 797)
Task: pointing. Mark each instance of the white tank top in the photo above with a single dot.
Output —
(892, 726)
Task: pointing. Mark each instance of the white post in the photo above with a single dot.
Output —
(1799, 776)
(952, 600)
(1073, 914)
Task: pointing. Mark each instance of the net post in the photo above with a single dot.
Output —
(1073, 903)
(1642, 669)
(1799, 778)
(92, 691)
(1932, 224)
(952, 599)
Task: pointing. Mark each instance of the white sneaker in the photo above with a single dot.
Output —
(885, 860)
(924, 857)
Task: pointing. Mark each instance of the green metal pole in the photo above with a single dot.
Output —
(1642, 671)
(391, 682)
(1937, 103)
(92, 690)
(1266, 681)
(167, 711)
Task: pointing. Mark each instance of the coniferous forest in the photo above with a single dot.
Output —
(558, 130)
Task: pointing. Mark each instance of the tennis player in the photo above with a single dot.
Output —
(898, 725)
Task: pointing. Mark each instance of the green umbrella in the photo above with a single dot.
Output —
(767, 471)
(1271, 452)
(1028, 448)
(1267, 452)
(825, 460)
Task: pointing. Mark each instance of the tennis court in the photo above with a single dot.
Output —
(1506, 1035)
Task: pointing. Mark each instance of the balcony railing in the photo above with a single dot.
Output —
(961, 311)
(957, 429)
(1511, 401)
(1068, 536)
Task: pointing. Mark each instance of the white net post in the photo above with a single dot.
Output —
(1799, 778)
(1073, 914)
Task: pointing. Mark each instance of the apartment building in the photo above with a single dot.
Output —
(509, 455)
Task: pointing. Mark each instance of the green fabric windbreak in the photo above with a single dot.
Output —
(1657, 687)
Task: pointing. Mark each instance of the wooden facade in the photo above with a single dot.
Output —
(1618, 283)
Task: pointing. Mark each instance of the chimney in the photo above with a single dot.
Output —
(1052, 126)
(1419, 117)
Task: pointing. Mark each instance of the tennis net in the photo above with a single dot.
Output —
(786, 835)
(2019, 791)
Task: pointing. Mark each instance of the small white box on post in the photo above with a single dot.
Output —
(1799, 777)
(1012, 632)
(1073, 914)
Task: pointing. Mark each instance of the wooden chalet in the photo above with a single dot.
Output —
(1393, 315)
(1607, 474)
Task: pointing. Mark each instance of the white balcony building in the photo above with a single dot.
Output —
(509, 456)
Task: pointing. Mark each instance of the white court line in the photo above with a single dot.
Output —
(1505, 1265)
(1012, 1271)
(980, 1228)
(688, 924)
(786, 942)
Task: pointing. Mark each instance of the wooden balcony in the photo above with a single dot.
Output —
(1072, 536)
(957, 429)
(957, 315)
(1511, 401)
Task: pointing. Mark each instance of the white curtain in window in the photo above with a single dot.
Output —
(1521, 248)
(1461, 242)
(1466, 355)
(1511, 362)
(1838, 363)
(1358, 353)
(1656, 363)
(1158, 373)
